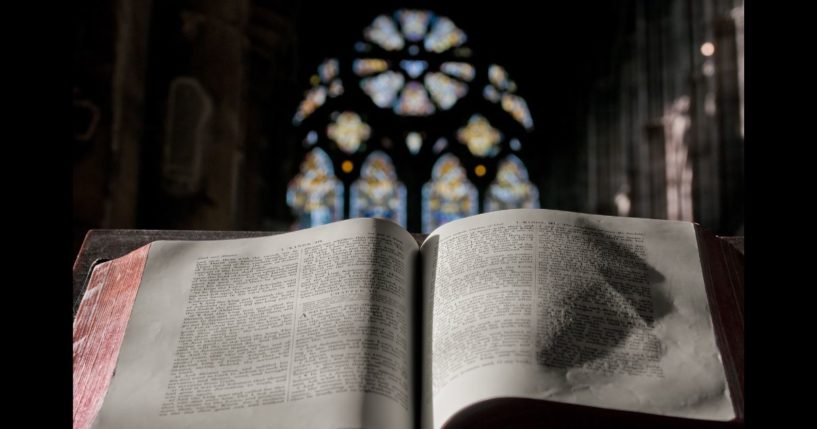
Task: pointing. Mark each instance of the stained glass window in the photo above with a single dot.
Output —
(315, 98)
(414, 23)
(502, 88)
(420, 97)
(315, 194)
(335, 88)
(324, 83)
(348, 131)
(404, 83)
(444, 90)
(511, 189)
(481, 138)
(384, 32)
(311, 138)
(516, 145)
(518, 108)
(463, 71)
(444, 36)
(367, 66)
(383, 88)
(440, 145)
(414, 142)
(328, 70)
(378, 193)
(449, 195)
(414, 101)
(413, 68)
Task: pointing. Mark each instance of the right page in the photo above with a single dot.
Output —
(584, 309)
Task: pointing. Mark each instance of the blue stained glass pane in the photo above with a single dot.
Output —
(328, 70)
(414, 101)
(463, 71)
(414, 142)
(449, 195)
(481, 138)
(383, 31)
(490, 93)
(315, 98)
(383, 88)
(516, 145)
(315, 195)
(440, 145)
(311, 138)
(444, 90)
(413, 68)
(511, 189)
(348, 131)
(444, 35)
(378, 193)
(518, 108)
(499, 77)
(414, 23)
(367, 66)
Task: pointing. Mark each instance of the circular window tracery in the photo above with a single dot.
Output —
(414, 65)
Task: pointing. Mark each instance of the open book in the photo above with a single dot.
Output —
(503, 318)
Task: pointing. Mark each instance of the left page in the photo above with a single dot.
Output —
(311, 329)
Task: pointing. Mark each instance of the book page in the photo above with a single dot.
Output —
(590, 310)
(311, 329)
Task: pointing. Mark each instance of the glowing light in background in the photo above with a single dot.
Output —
(622, 203)
(708, 49)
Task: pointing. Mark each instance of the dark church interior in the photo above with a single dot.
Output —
(274, 115)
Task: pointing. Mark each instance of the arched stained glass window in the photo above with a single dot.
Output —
(449, 195)
(378, 193)
(511, 189)
(315, 194)
(416, 124)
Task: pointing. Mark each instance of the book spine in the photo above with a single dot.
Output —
(723, 275)
(99, 328)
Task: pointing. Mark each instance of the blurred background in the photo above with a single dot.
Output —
(281, 114)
